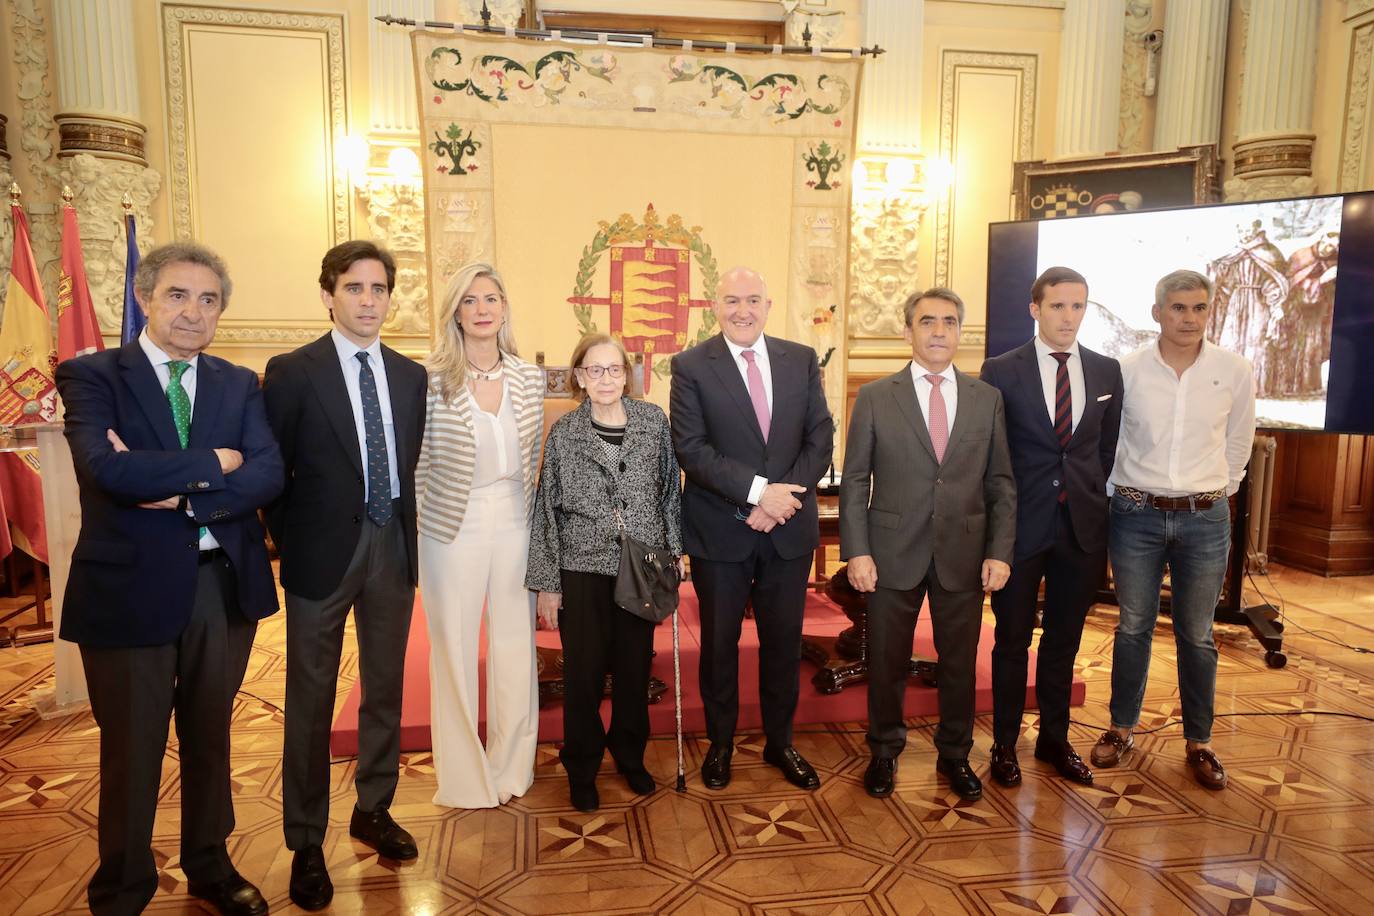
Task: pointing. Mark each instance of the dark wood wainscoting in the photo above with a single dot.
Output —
(1323, 511)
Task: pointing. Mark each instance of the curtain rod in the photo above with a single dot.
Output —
(601, 37)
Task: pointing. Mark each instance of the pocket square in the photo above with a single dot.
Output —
(1105, 397)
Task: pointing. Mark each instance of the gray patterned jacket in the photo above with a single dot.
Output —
(574, 523)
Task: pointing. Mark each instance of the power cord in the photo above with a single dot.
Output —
(1283, 615)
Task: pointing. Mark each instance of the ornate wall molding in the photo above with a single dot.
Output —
(883, 247)
(396, 219)
(99, 186)
(1025, 67)
(37, 132)
(1359, 99)
(174, 22)
(1131, 135)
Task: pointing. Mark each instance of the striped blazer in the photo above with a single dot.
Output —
(449, 452)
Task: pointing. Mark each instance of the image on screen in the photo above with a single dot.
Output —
(1274, 266)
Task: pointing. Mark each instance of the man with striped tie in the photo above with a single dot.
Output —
(927, 508)
(1063, 406)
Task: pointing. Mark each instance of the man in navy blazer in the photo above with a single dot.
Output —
(169, 575)
(754, 435)
(1063, 406)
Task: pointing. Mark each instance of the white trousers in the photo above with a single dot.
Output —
(484, 564)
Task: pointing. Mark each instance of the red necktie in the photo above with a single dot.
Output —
(1063, 407)
(938, 421)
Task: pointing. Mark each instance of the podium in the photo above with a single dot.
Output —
(62, 512)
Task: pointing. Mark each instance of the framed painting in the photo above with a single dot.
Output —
(1112, 184)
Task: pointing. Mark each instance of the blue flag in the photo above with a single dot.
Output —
(133, 315)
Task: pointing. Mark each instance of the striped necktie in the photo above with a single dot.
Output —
(1063, 407)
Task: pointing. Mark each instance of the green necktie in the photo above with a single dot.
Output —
(181, 404)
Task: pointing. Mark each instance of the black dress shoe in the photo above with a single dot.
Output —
(878, 776)
(1065, 760)
(311, 888)
(793, 766)
(233, 896)
(640, 781)
(962, 779)
(1005, 768)
(584, 797)
(715, 769)
(378, 830)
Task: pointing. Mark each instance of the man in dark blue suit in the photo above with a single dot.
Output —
(169, 575)
(1063, 410)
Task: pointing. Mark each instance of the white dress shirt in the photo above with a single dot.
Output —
(352, 373)
(761, 360)
(159, 359)
(1049, 368)
(949, 390)
(498, 442)
(1185, 434)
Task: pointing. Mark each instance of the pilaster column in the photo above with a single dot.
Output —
(1272, 155)
(1090, 78)
(391, 69)
(886, 216)
(1191, 72)
(97, 83)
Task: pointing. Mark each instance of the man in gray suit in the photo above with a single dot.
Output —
(927, 507)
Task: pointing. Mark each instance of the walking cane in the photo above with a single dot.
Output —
(677, 707)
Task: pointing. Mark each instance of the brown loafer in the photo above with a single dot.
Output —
(1206, 768)
(1006, 770)
(1111, 748)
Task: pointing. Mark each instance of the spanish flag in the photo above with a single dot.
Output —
(77, 331)
(28, 393)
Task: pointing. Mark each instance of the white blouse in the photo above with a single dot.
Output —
(498, 441)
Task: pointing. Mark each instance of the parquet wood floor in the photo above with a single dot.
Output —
(1293, 834)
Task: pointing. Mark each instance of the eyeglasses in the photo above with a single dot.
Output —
(595, 372)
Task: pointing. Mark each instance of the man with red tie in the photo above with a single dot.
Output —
(927, 508)
(753, 434)
(1063, 407)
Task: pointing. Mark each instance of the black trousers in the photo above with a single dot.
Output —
(777, 588)
(133, 693)
(376, 587)
(956, 618)
(599, 637)
(1072, 577)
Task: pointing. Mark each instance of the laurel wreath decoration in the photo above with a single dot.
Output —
(626, 230)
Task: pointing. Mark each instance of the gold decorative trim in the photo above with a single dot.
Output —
(109, 137)
(175, 19)
(951, 64)
(1204, 159)
(1287, 155)
(1359, 94)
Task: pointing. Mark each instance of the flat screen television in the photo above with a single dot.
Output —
(1294, 292)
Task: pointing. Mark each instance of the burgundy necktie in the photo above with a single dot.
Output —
(938, 421)
(1063, 407)
(756, 392)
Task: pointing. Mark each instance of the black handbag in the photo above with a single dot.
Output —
(647, 582)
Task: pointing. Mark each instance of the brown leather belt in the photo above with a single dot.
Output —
(1172, 503)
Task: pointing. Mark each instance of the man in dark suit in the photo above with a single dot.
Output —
(1063, 407)
(349, 414)
(753, 434)
(169, 575)
(927, 507)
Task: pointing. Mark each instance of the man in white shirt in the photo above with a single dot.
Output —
(1188, 424)
(349, 414)
(927, 507)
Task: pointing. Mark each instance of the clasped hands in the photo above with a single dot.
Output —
(778, 503)
(230, 460)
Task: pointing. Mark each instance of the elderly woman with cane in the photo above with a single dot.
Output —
(609, 479)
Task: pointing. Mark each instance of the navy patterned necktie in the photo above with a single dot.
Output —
(378, 466)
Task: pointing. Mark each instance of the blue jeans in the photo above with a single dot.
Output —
(1194, 544)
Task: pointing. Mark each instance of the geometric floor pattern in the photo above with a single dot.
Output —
(1294, 833)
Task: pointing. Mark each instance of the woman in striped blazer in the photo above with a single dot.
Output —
(475, 488)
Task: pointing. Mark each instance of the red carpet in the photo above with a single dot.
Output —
(822, 618)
